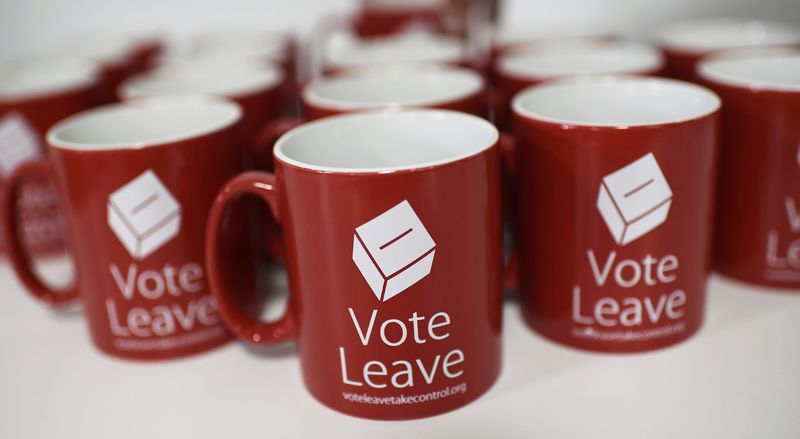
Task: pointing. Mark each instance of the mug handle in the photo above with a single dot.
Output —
(20, 260)
(262, 185)
(266, 138)
(262, 154)
(508, 150)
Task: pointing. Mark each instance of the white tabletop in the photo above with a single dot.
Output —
(738, 378)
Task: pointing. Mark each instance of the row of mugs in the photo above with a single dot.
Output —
(392, 225)
(257, 70)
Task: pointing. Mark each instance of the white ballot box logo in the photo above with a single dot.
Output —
(18, 142)
(634, 200)
(144, 215)
(393, 251)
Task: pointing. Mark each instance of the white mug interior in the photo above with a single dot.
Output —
(372, 142)
(758, 69)
(143, 123)
(616, 101)
(578, 56)
(405, 87)
(703, 35)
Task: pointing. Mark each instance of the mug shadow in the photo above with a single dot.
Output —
(283, 350)
(67, 313)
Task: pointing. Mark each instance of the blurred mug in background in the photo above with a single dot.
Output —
(345, 51)
(384, 17)
(757, 235)
(235, 44)
(136, 181)
(35, 93)
(254, 84)
(685, 42)
(117, 55)
(529, 64)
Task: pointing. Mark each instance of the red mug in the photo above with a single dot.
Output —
(394, 86)
(118, 57)
(685, 43)
(396, 217)
(532, 63)
(615, 185)
(255, 85)
(136, 182)
(235, 44)
(35, 93)
(758, 204)
(387, 17)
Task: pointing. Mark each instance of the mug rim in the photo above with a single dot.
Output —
(471, 83)
(713, 68)
(232, 115)
(254, 76)
(512, 35)
(648, 58)
(273, 44)
(605, 81)
(85, 74)
(672, 35)
(332, 121)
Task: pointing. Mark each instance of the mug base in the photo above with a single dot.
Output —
(623, 347)
(408, 415)
(163, 355)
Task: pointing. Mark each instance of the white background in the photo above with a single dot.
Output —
(738, 378)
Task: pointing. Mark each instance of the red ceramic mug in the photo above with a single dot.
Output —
(136, 182)
(615, 185)
(758, 204)
(386, 17)
(392, 227)
(393, 86)
(118, 56)
(532, 63)
(685, 43)
(253, 84)
(235, 44)
(35, 93)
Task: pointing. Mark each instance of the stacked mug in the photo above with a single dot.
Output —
(388, 194)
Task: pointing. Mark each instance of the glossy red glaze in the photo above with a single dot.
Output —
(759, 181)
(681, 64)
(153, 305)
(43, 227)
(560, 169)
(459, 203)
(380, 21)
